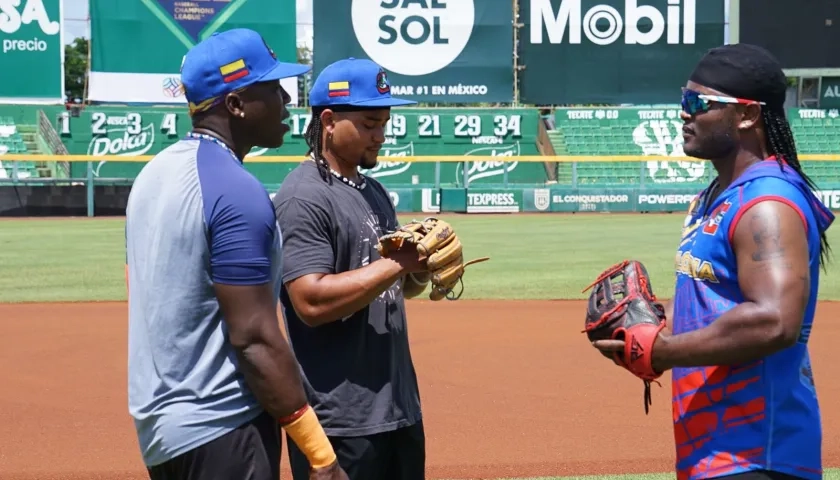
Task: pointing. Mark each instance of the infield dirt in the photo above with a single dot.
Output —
(509, 389)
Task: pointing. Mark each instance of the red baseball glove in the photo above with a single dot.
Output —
(622, 306)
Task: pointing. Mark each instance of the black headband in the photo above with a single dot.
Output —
(744, 71)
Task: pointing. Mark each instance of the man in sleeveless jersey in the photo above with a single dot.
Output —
(748, 271)
(343, 304)
(210, 375)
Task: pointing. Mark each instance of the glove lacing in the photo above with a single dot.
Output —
(648, 398)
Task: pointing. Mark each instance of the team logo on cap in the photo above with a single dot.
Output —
(270, 51)
(383, 86)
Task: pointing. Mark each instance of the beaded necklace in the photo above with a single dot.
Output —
(361, 186)
(209, 138)
(201, 136)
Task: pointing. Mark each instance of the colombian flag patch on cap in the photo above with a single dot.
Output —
(234, 71)
(339, 89)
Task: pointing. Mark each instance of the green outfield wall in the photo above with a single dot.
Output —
(503, 133)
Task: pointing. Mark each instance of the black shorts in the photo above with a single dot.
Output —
(396, 455)
(251, 452)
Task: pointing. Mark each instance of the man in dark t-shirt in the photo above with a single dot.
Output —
(343, 304)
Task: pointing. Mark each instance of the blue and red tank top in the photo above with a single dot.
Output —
(761, 415)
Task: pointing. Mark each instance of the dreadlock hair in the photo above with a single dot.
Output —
(315, 140)
(781, 144)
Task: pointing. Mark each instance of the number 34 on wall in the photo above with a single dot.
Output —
(430, 125)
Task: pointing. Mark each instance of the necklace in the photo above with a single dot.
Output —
(361, 186)
(210, 138)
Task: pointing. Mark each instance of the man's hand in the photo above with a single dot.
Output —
(333, 472)
(440, 252)
(624, 319)
(408, 258)
(609, 348)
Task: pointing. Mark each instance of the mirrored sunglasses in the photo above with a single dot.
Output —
(696, 102)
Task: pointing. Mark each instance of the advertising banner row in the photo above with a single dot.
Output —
(29, 200)
(443, 51)
(556, 200)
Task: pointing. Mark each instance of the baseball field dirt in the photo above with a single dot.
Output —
(509, 389)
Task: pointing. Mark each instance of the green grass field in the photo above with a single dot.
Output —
(532, 257)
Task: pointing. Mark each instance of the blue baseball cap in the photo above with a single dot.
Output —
(355, 82)
(230, 60)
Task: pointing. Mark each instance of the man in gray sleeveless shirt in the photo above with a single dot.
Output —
(343, 304)
(210, 377)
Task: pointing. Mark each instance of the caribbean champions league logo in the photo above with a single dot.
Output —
(413, 37)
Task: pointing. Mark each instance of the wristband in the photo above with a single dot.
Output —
(294, 416)
(310, 438)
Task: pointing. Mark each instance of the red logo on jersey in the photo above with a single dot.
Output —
(716, 218)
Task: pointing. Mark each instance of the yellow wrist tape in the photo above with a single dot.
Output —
(310, 438)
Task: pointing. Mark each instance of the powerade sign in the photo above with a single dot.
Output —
(614, 51)
(32, 51)
(433, 50)
(608, 199)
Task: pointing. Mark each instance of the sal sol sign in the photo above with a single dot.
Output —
(440, 50)
(413, 37)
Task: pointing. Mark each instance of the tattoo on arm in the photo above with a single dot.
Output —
(766, 234)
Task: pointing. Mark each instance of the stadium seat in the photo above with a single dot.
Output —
(628, 135)
(11, 141)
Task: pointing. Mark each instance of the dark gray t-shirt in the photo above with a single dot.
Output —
(357, 372)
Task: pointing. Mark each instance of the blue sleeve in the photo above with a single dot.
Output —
(239, 217)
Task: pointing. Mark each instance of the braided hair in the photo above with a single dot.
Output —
(315, 140)
(781, 144)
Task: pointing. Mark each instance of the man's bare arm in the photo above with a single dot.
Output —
(323, 298)
(771, 248)
(265, 358)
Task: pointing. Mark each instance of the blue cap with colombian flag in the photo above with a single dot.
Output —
(354, 82)
(227, 62)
